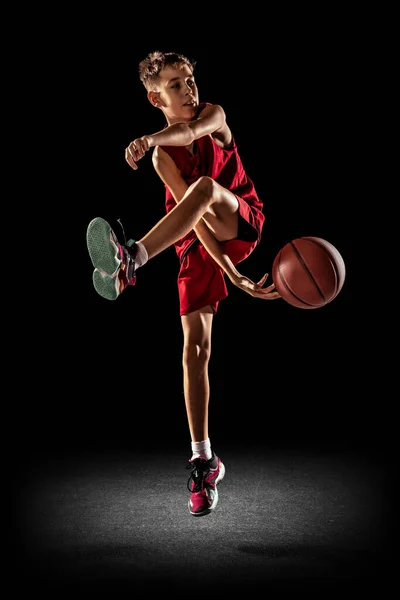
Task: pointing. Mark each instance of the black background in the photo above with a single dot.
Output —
(87, 375)
(105, 375)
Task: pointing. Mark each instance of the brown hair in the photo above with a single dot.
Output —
(154, 63)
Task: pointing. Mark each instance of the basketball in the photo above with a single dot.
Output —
(308, 272)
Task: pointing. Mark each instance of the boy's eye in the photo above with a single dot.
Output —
(190, 84)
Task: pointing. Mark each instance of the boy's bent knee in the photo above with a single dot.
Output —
(206, 186)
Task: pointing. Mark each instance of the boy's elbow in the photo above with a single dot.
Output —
(219, 111)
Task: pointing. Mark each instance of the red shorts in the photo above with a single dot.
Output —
(201, 281)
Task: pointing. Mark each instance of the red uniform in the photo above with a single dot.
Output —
(201, 281)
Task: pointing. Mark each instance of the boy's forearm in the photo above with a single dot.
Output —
(214, 249)
(178, 134)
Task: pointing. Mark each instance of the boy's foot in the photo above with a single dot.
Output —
(114, 263)
(110, 287)
(202, 483)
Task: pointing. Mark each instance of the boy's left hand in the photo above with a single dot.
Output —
(136, 150)
(255, 289)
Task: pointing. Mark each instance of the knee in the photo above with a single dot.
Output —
(206, 186)
(196, 355)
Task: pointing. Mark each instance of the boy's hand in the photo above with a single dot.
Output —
(255, 289)
(136, 150)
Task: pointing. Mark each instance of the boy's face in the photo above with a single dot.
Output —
(176, 94)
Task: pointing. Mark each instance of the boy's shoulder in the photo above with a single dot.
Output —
(202, 106)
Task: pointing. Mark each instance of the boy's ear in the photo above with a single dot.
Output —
(154, 98)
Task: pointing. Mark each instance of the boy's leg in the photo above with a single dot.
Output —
(197, 328)
(205, 199)
(115, 263)
(206, 472)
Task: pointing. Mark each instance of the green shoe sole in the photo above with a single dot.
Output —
(102, 246)
(106, 286)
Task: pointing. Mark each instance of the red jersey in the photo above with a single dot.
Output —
(224, 166)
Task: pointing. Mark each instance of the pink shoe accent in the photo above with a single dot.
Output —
(204, 480)
(199, 502)
(122, 270)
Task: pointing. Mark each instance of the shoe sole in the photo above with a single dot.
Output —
(103, 248)
(106, 286)
(215, 502)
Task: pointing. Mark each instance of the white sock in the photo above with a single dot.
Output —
(141, 257)
(202, 449)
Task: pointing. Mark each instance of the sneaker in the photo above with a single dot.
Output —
(114, 263)
(202, 484)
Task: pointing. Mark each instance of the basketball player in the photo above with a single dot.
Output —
(214, 219)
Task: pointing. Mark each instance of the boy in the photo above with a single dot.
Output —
(214, 219)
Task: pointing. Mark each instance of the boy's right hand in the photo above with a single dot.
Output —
(136, 150)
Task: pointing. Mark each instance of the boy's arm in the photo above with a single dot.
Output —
(212, 120)
(171, 176)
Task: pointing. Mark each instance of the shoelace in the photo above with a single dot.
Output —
(129, 259)
(123, 231)
(200, 470)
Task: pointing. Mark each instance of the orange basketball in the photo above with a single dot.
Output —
(308, 272)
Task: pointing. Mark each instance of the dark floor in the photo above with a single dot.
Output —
(286, 520)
